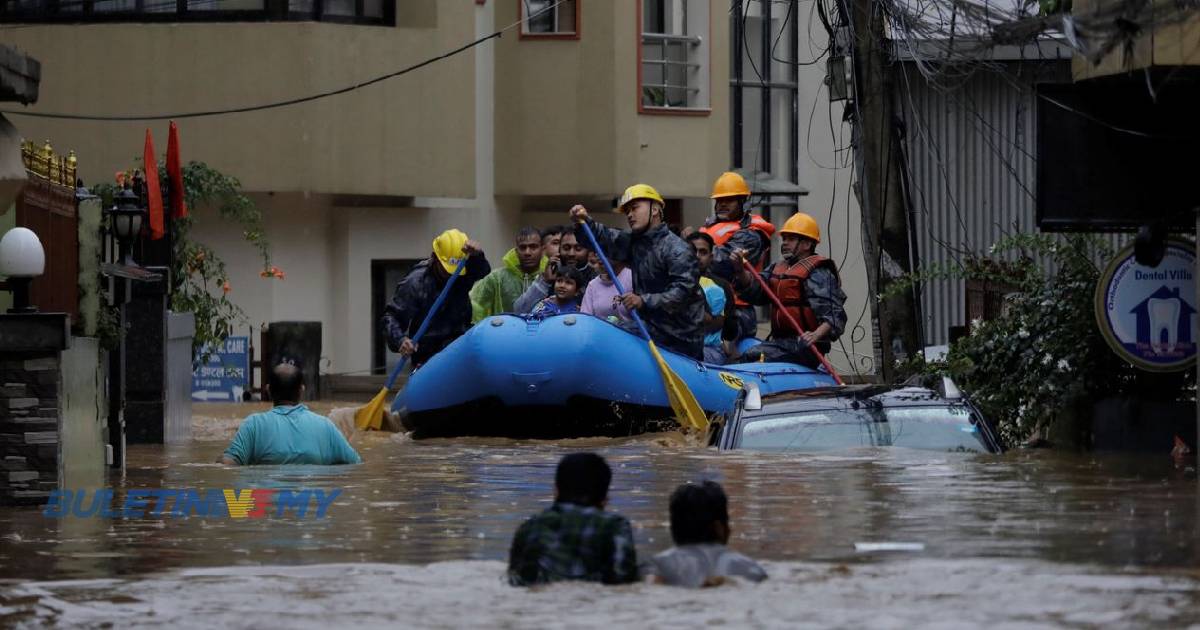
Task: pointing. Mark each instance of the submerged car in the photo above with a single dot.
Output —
(857, 415)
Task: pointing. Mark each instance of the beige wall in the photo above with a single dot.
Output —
(827, 173)
(411, 135)
(565, 126)
(680, 155)
(326, 252)
(567, 120)
(1176, 44)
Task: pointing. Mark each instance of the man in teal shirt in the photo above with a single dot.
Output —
(289, 433)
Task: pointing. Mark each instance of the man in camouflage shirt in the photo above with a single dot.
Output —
(575, 539)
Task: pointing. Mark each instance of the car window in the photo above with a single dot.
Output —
(927, 427)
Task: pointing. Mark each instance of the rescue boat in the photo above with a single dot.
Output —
(568, 376)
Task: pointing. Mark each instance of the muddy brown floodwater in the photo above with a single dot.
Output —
(419, 533)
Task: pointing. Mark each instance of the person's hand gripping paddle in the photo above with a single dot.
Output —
(370, 417)
(683, 401)
(792, 320)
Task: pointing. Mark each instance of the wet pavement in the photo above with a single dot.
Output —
(871, 537)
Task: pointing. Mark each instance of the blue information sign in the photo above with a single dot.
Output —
(1148, 314)
(224, 376)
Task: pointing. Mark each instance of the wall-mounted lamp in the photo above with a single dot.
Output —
(21, 259)
(126, 216)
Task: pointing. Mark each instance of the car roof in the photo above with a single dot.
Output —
(847, 395)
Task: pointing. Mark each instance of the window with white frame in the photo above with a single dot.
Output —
(675, 54)
(549, 17)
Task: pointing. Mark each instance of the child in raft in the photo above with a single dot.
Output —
(601, 297)
(566, 294)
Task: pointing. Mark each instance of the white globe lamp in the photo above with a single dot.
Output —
(21, 260)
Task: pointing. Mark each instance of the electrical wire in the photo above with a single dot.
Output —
(291, 101)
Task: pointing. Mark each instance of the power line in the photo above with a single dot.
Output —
(291, 101)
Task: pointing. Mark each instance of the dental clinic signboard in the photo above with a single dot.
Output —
(1148, 314)
(225, 375)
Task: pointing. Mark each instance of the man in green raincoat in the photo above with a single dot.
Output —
(496, 293)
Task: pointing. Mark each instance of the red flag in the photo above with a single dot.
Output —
(153, 192)
(175, 173)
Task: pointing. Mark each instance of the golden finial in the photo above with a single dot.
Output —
(71, 168)
(41, 163)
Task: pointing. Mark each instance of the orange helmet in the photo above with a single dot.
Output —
(730, 184)
(802, 225)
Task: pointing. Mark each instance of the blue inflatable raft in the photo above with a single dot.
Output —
(568, 376)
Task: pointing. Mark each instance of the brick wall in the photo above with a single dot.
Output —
(29, 426)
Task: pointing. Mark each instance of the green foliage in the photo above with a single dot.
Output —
(199, 280)
(1043, 358)
(655, 97)
(1052, 7)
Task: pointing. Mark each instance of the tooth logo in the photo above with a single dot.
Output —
(1164, 324)
(1148, 315)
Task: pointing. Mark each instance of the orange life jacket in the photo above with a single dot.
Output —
(788, 282)
(723, 231)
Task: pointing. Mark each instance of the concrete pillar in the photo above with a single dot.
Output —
(31, 347)
(145, 362)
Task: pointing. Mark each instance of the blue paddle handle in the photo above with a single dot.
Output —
(437, 304)
(587, 229)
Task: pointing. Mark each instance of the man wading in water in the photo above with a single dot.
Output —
(575, 539)
(289, 433)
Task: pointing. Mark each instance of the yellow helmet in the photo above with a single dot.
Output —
(639, 191)
(802, 225)
(448, 247)
(730, 184)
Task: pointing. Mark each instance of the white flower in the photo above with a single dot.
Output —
(1063, 365)
(1047, 359)
(1023, 334)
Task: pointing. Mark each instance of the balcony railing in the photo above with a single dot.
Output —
(670, 70)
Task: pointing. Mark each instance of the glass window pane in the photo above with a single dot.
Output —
(783, 38)
(160, 6)
(373, 8)
(539, 16)
(300, 6)
(654, 18)
(782, 132)
(752, 128)
(113, 6)
(935, 428)
(225, 5)
(339, 7)
(566, 17)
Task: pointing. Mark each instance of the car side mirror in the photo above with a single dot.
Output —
(753, 399)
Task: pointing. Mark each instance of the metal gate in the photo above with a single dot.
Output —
(47, 206)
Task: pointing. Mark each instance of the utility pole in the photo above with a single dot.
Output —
(888, 249)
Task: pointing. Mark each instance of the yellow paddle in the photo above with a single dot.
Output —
(370, 417)
(683, 402)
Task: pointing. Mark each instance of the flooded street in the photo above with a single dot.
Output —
(419, 534)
